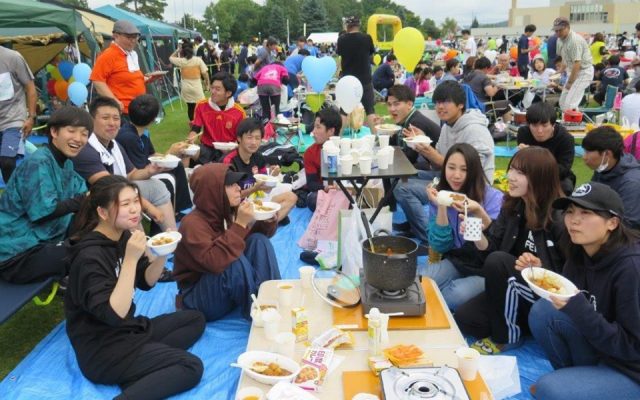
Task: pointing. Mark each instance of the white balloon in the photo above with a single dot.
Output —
(348, 93)
(491, 55)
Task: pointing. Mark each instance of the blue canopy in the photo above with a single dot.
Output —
(147, 26)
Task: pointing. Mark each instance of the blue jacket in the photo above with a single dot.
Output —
(624, 178)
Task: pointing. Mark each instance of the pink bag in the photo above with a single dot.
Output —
(324, 222)
(632, 146)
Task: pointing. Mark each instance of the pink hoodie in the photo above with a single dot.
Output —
(271, 74)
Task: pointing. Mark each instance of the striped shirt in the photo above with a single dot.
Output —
(574, 48)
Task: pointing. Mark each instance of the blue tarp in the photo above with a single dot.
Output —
(50, 371)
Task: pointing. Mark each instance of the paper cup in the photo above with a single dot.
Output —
(383, 140)
(383, 160)
(355, 156)
(335, 140)
(365, 165)
(472, 229)
(271, 321)
(345, 146)
(286, 344)
(285, 294)
(346, 165)
(390, 153)
(306, 275)
(468, 360)
(250, 392)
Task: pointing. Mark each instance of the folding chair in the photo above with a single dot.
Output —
(609, 99)
(14, 296)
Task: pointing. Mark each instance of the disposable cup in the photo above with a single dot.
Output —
(271, 320)
(335, 140)
(355, 156)
(306, 274)
(250, 392)
(286, 344)
(285, 294)
(345, 146)
(390, 153)
(365, 165)
(346, 165)
(383, 140)
(383, 160)
(468, 360)
(472, 229)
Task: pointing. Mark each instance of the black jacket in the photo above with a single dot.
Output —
(561, 145)
(419, 120)
(503, 234)
(609, 315)
(103, 342)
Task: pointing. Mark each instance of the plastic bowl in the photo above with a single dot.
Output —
(257, 316)
(413, 141)
(164, 249)
(388, 129)
(168, 161)
(225, 146)
(263, 215)
(270, 181)
(192, 150)
(250, 392)
(567, 285)
(248, 358)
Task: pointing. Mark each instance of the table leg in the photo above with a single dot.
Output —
(384, 200)
(346, 193)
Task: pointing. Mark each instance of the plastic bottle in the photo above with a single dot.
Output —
(374, 332)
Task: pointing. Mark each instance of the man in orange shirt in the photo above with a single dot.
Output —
(117, 73)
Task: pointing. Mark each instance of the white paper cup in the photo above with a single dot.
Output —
(285, 294)
(335, 140)
(468, 360)
(286, 344)
(472, 229)
(390, 153)
(306, 275)
(345, 146)
(249, 392)
(365, 165)
(346, 165)
(355, 156)
(383, 160)
(271, 320)
(383, 140)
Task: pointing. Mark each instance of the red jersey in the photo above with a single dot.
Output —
(312, 161)
(218, 125)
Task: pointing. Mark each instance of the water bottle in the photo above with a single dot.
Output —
(374, 333)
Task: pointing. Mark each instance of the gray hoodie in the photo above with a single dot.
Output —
(470, 128)
(624, 178)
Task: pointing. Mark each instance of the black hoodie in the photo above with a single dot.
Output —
(104, 343)
(609, 316)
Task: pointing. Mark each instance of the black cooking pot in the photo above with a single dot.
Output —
(393, 263)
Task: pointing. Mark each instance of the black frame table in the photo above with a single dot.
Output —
(400, 169)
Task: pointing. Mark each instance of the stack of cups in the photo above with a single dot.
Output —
(346, 164)
(383, 140)
(390, 153)
(365, 165)
(345, 146)
(383, 159)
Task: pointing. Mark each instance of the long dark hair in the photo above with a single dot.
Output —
(541, 170)
(104, 193)
(476, 181)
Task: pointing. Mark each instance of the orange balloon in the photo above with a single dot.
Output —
(513, 52)
(61, 90)
(536, 40)
(450, 55)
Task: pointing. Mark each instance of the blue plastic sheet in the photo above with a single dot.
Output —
(50, 371)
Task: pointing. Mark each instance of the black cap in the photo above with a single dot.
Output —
(234, 177)
(593, 196)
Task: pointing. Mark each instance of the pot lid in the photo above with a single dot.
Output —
(336, 288)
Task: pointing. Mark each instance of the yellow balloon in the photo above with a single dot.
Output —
(315, 101)
(377, 59)
(408, 46)
(55, 74)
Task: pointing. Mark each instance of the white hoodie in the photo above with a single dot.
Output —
(470, 128)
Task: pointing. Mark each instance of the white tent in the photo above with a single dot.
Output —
(324, 37)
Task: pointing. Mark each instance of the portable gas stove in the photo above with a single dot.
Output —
(437, 383)
(410, 301)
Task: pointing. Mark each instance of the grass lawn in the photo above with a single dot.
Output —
(20, 334)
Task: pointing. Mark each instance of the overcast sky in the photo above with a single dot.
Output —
(462, 10)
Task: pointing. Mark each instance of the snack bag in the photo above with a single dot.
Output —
(334, 338)
(315, 364)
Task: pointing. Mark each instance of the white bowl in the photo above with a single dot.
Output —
(250, 392)
(225, 146)
(263, 215)
(568, 287)
(164, 249)
(248, 358)
(191, 150)
(257, 316)
(168, 161)
(413, 141)
(270, 181)
(388, 129)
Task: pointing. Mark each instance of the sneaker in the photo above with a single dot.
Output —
(63, 283)
(488, 347)
(166, 276)
(309, 257)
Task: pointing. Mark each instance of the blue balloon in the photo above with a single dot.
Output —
(78, 93)
(81, 73)
(66, 69)
(318, 71)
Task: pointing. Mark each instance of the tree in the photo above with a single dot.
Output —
(277, 26)
(475, 23)
(76, 3)
(149, 8)
(314, 15)
(337, 9)
(190, 22)
(449, 26)
(430, 29)
(224, 14)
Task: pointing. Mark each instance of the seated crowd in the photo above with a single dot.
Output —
(74, 209)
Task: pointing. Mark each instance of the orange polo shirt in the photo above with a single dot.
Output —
(111, 68)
